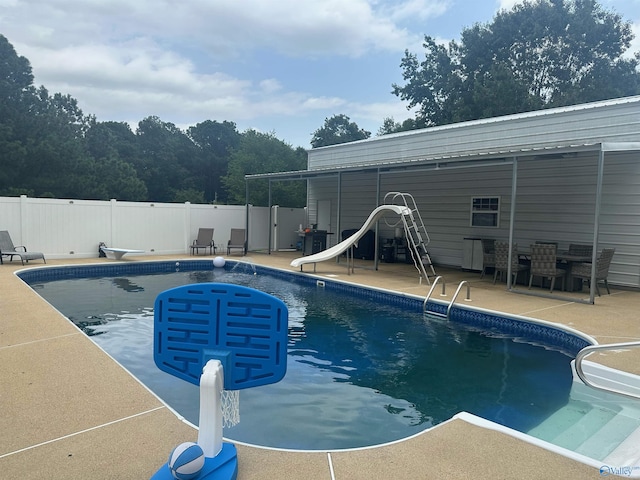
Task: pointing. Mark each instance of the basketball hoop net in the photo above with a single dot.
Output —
(230, 405)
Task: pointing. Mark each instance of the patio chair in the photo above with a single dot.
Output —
(237, 241)
(580, 250)
(502, 261)
(488, 255)
(544, 264)
(8, 249)
(583, 270)
(204, 240)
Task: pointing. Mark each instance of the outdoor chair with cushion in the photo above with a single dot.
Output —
(580, 250)
(237, 241)
(488, 255)
(8, 249)
(543, 264)
(603, 262)
(502, 261)
(204, 240)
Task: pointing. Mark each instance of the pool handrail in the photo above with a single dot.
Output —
(433, 286)
(582, 354)
(455, 295)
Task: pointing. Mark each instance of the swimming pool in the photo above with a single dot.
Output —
(365, 367)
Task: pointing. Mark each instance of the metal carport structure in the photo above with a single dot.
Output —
(603, 150)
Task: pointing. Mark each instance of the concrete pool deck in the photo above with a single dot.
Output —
(68, 411)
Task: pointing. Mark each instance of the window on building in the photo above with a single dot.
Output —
(485, 211)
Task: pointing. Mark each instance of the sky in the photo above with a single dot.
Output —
(276, 66)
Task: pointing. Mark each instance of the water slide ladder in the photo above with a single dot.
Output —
(415, 232)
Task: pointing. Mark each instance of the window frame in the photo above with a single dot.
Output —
(485, 207)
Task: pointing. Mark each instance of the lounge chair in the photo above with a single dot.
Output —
(8, 249)
(237, 241)
(204, 240)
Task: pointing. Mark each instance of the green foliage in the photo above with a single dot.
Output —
(49, 148)
(215, 141)
(264, 153)
(338, 129)
(389, 125)
(540, 54)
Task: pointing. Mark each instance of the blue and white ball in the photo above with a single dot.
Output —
(218, 262)
(186, 461)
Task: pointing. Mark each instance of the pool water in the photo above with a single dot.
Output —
(358, 373)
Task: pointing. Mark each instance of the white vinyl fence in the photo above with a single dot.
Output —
(74, 228)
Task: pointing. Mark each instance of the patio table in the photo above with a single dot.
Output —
(566, 259)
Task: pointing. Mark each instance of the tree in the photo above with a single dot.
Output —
(338, 129)
(167, 159)
(113, 147)
(215, 142)
(540, 54)
(389, 125)
(264, 153)
(16, 93)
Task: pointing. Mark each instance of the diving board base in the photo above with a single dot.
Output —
(118, 253)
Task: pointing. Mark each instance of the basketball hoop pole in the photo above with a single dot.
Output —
(221, 459)
(211, 384)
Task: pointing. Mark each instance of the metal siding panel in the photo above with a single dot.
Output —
(617, 120)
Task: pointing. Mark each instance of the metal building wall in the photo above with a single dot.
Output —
(612, 120)
(555, 202)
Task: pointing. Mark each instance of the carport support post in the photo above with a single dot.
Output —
(377, 239)
(596, 226)
(271, 225)
(339, 216)
(512, 217)
(246, 216)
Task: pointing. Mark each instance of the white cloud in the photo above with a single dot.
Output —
(294, 27)
(411, 10)
(125, 60)
(507, 4)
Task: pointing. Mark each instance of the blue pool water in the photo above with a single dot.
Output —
(360, 371)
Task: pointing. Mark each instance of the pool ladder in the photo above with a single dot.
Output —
(443, 294)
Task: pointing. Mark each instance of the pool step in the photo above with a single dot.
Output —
(570, 425)
(609, 437)
(593, 431)
(627, 453)
(578, 433)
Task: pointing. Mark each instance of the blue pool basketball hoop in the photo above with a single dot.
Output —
(219, 336)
